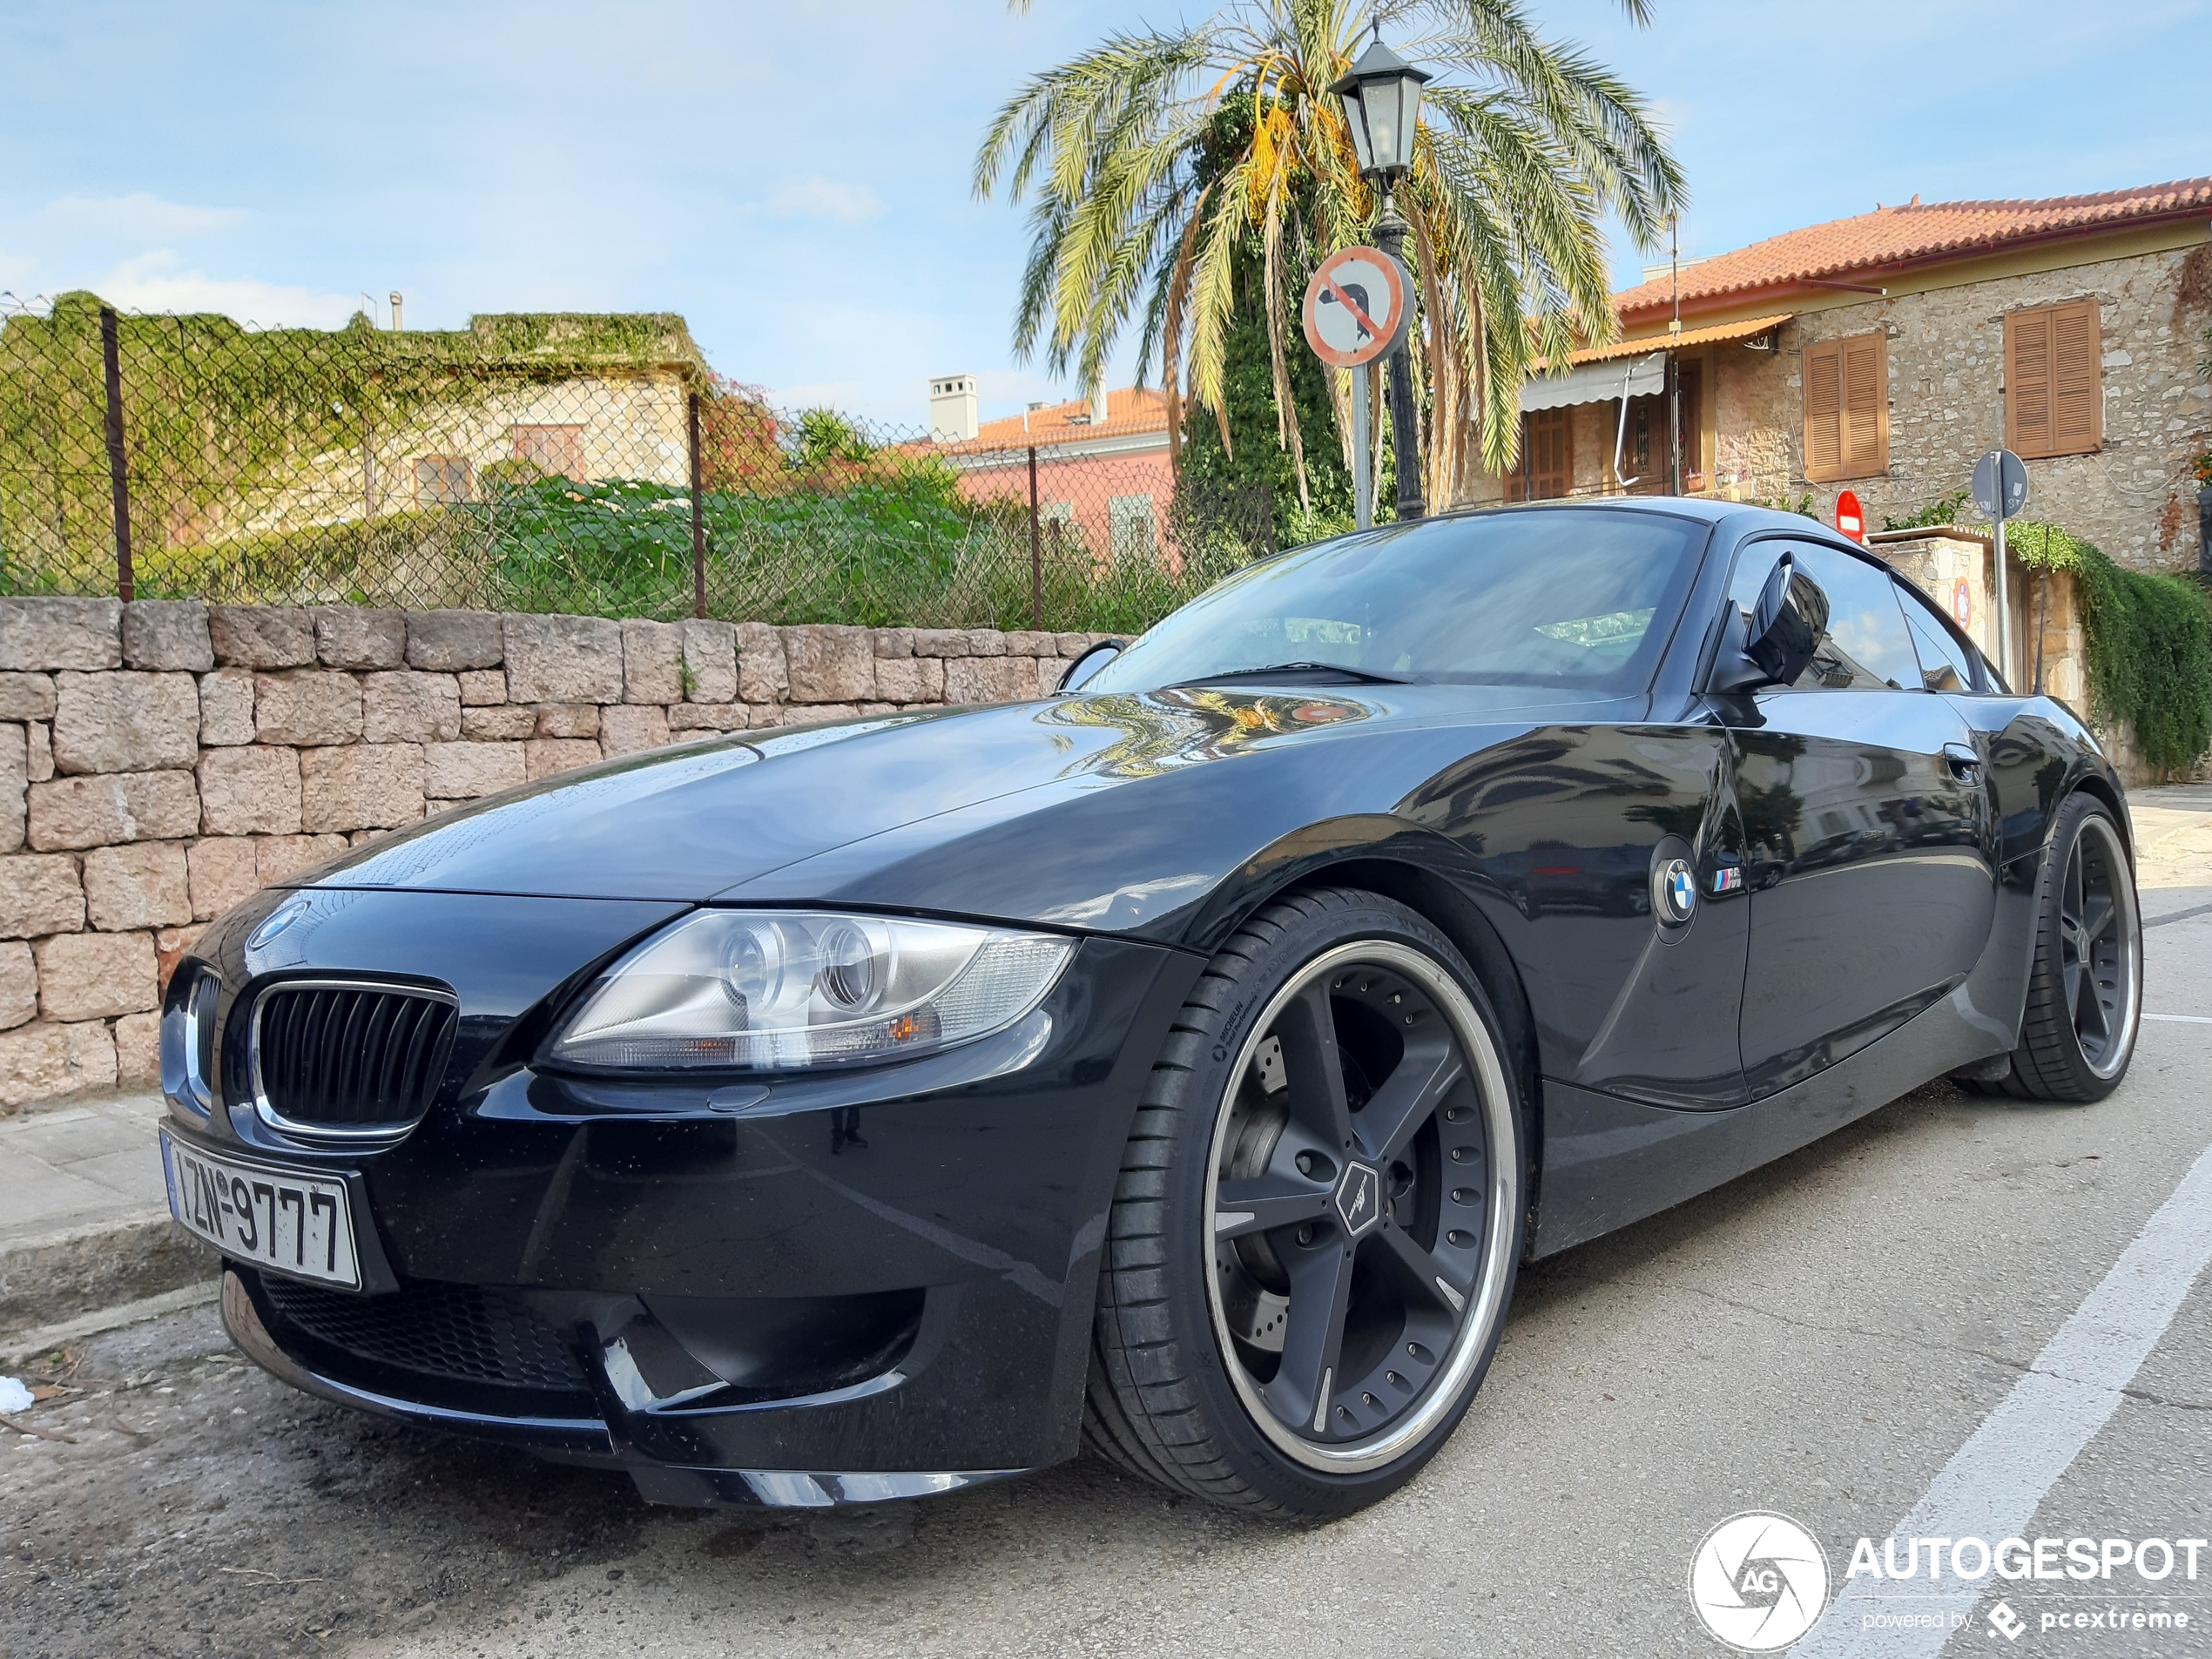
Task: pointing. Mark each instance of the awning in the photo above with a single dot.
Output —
(1717, 334)
(1597, 383)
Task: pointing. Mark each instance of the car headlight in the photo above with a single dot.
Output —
(775, 990)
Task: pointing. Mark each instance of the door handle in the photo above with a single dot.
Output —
(1964, 763)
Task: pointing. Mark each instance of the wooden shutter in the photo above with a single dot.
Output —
(1847, 408)
(1548, 456)
(2077, 391)
(1824, 369)
(2053, 384)
(2027, 382)
(1866, 405)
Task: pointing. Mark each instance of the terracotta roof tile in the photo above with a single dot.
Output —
(1132, 410)
(1912, 234)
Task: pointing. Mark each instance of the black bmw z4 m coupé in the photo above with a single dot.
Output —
(1181, 1064)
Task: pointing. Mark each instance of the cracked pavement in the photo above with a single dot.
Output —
(1816, 1337)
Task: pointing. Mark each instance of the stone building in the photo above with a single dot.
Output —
(240, 441)
(1884, 353)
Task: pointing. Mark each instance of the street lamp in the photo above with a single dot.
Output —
(1382, 102)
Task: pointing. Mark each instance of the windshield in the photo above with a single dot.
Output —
(1583, 598)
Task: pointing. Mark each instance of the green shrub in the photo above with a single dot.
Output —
(2149, 643)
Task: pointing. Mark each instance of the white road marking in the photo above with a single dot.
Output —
(1991, 1487)
(2181, 1019)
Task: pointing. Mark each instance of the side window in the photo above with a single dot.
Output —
(1946, 663)
(1866, 647)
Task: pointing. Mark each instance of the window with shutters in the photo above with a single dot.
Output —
(441, 479)
(1847, 408)
(2054, 380)
(554, 450)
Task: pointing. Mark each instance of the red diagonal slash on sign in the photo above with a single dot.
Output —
(1329, 285)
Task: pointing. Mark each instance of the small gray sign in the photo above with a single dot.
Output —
(2000, 464)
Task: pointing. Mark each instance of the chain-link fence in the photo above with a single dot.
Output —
(591, 464)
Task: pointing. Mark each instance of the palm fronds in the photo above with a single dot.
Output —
(1156, 160)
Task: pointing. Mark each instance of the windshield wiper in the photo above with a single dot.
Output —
(1362, 676)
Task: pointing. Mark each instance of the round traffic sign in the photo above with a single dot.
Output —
(1356, 306)
(1850, 518)
(2014, 471)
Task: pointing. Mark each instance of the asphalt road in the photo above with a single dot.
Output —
(1817, 1338)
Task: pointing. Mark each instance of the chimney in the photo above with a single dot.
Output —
(1098, 405)
(952, 409)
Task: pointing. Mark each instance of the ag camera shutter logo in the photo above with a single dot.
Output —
(1758, 1581)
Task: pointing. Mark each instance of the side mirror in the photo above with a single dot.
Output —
(1774, 646)
(1090, 663)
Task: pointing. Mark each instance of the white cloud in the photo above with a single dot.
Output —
(826, 199)
(156, 281)
(136, 217)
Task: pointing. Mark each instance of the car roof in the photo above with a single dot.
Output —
(1710, 512)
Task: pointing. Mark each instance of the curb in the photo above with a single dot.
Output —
(48, 1278)
(24, 1346)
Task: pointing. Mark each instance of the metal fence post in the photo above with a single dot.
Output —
(699, 520)
(1036, 551)
(118, 464)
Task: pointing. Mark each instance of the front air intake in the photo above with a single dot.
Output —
(334, 1059)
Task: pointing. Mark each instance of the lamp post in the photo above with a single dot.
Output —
(1382, 101)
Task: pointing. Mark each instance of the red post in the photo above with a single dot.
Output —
(1036, 551)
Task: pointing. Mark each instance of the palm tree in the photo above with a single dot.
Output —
(1156, 161)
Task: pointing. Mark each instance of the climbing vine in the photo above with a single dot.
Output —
(2149, 643)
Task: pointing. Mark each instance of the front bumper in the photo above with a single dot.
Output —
(841, 1287)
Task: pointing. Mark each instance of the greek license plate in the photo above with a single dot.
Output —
(280, 1219)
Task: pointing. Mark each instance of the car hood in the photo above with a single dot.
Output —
(718, 816)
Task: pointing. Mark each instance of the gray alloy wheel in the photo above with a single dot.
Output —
(1319, 1219)
(2085, 994)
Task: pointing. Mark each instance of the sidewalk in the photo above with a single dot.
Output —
(2173, 845)
(83, 1217)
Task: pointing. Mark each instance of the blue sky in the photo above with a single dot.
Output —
(279, 160)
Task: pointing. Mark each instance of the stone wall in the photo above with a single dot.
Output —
(161, 761)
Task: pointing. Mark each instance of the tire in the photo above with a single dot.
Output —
(2085, 991)
(1387, 1241)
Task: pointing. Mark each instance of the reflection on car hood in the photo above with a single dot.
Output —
(690, 822)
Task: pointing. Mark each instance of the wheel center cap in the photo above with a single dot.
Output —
(1358, 1199)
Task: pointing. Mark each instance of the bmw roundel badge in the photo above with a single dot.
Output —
(1673, 890)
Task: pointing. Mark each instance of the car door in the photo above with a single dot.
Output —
(1864, 817)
